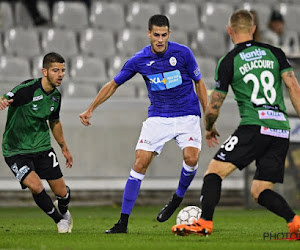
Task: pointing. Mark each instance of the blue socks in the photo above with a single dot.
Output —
(187, 175)
(131, 191)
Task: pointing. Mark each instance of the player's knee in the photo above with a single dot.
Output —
(191, 160)
(36, 188)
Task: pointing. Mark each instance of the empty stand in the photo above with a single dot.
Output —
(109, 16)
(22, 42)
(7, 18)
(95, 42)
(215, 15)
(209, 43)
(207, 67)
(61, 41)
(14, 69)
(179, 36)
(131, 41)
(71, 15)
(88, 70)
(139, 14)
(81, 90)
(183, 16)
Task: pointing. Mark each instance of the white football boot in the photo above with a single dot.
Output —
(67, 216)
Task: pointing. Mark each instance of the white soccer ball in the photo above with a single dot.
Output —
(188, 214)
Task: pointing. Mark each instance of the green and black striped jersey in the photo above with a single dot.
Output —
(254, 71)
(27, 129)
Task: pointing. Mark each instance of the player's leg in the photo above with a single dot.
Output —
(188, 172)
(210, 196)
(47, 167)
(63, 195)
(132, 189)
(41, 198)
(23, 168)
(270, 170)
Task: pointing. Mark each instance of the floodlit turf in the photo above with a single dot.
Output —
(29, 228)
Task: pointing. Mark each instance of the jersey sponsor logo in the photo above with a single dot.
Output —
(253, 55)
(150, 63)
(271, 114)
(166, 80)
(173, 61)
(10, 94)
(197, 72)
(275, 132)
(37, 98)
(22, 171)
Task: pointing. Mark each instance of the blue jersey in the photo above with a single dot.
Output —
(169, 79)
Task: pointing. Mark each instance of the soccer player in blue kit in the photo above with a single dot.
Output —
(169, 70)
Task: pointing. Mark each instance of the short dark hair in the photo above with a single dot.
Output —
(158, 20)
(52, 57)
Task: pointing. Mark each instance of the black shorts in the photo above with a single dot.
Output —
(247, 144)
(45, 164)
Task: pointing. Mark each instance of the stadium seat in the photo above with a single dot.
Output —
(131, 41)
(95, 42)
(215, 15)
(183, 16)
(207, 67)
(70, 15)
(61, 41)
(290, 14)
(88, 70)
(14, 69)
(263, 12)
(209, 43)
(78, 90)
(22, 42)
(139, 14)
(179, 36)
(6, 13)
(103, 15)
(22, 16)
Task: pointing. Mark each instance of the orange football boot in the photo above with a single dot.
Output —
(294, 228)
(199, 227)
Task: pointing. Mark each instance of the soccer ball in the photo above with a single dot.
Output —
(188, 214)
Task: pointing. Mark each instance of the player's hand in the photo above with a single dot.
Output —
(211, 137)
(69, 158)
(4, 103)
(85, 117)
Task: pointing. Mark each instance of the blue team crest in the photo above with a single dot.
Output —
(166, 80)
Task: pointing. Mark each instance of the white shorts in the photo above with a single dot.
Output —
(156, 131)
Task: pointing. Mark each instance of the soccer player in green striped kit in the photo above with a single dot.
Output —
(255, 71)
(33, 107)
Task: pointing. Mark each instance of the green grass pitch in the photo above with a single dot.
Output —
(30, 228)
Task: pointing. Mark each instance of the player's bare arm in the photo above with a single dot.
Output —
(56, 128)
(294, 89)
(211, 115)
(4, 103)
(105, 92)
(201, 91)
